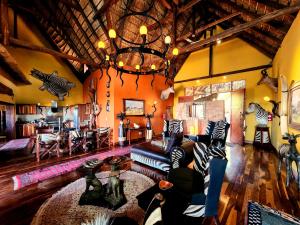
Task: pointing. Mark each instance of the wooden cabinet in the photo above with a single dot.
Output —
(25, 130)
(26, 109)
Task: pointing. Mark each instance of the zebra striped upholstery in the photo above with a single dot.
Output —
(172, 126)
(206, 163)
(219, 130)
(157, 164)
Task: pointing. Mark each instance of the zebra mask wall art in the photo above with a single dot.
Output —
(261, 115)
(54, 84)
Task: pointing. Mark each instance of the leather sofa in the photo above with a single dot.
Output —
(157, 157)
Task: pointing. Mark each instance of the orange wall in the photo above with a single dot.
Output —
(118, 93)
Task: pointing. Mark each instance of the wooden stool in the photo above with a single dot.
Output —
(262, 138)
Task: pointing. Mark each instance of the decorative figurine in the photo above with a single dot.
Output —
(122, 131)
(96, 195)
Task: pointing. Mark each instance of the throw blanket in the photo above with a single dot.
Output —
(17, 144)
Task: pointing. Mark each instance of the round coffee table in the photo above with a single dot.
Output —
(63, 209)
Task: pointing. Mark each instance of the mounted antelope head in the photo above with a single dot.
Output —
(269, 81)
(165, 93)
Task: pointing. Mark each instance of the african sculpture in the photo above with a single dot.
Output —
(54, 84)
(166, 93)
(114, 188)
(94, 196)
(95, 109)
(290, 153)
(110, 195)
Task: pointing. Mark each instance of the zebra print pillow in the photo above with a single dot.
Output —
(217, 150)
(175, 126)
(219, 130)
(201, 157)
(210, 127)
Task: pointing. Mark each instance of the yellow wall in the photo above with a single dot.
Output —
(46, 63)
(231, 55)
(287, 63)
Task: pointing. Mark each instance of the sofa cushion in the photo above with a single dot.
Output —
(219, 130)
(175, 140)
(210, 127)
(151, 151)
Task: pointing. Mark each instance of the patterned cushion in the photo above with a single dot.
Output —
(175, 140)
(210, 127)
(201, 157)
(217, 150)
(219, 130)
(175, 126)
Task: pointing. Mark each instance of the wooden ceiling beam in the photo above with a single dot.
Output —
(247, 16)
(75, 19)
(80, 9)
(70, 4)
(259, 8)
(14, 71)
(106, 5)
(253, 32)
(23, 44)
(86, 55)
(238, 29)
(187, 6)
(205, 27)
(166, 4)
(4, 21)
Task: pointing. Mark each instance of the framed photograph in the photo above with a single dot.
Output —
(134, 107)
(294, 105)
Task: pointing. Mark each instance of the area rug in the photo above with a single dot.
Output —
(35, 176)
(63, 209)
(263, 215)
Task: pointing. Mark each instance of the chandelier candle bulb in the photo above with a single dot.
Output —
(138, 67)
(101, 44)
(107, 57)
(112, 33)
(167, 40)
(175, 51)
(143, 30)
(121, 64)
(153, 67)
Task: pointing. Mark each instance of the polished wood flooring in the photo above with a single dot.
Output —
(250, 175)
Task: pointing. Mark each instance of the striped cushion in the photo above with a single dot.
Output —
(219, 130)
(175, 126)
(210, 127)
(217, 150)
(201, 157)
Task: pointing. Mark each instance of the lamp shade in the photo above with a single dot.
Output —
(167, 40)
(112, 33)
(101, 44)
(143, 30)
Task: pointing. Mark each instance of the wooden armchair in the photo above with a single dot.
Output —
(104, 137)
(46, 143)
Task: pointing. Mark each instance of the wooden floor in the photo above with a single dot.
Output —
(250, 175)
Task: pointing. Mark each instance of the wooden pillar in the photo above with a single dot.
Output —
(4, 22)
(211, 55)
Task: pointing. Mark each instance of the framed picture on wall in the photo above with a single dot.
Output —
(294, 105)
(134, 107)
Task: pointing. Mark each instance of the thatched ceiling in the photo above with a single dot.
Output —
(75, 26)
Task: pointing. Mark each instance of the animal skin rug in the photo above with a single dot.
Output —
(63, 209)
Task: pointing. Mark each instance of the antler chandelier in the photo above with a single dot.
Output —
(140, 46)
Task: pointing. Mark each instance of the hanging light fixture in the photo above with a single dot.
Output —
(139, 46)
